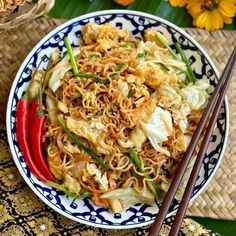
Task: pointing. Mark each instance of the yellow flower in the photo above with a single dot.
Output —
(211, 14)
(178, 3)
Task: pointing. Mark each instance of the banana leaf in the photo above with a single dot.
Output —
(69, 9)
(223, 227)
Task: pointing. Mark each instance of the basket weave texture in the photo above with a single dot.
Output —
(219, 198)
(17, 12)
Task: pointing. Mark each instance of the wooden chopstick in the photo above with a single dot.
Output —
(215, 101)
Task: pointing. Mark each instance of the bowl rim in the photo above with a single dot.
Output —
(43, 40)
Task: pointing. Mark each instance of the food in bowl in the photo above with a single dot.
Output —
(119, 113)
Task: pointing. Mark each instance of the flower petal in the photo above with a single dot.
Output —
(194, 8)
(178, 3)
(216, 19)
(227, 8)
(202, 21)
(227, 20)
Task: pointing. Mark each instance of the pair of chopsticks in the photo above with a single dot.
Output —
(212, 110)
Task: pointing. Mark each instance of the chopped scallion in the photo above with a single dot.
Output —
(189, 72)
(62, 188)
(181, 84)
(129, 95)
(92, 76)
(76, 96)
(165, 45)
(163, 66)
(71, 55)
(80, 144)
(142, 54)
(134, 157)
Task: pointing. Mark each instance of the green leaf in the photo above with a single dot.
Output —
(232, 26)
(223, 227)
(178, 15)
(72, 8)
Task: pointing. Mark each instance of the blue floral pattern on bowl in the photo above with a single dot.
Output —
(85, 211)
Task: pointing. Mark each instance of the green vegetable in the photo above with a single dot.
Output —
(93, 57)
(116, 71)
(102, 81)
(119, 67)
(164, 44)
(110, 110)
(68, 192)
(163, 66)
(142, 54)
(46, 76)
(127, 44)
(99, 113)
(129, 94)
(72, 58)
(189, 72)
(134, 157)
(181, 84)
(76, 96)
(80, 144)
(92, 76)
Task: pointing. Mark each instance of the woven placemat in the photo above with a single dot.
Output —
(219, 198)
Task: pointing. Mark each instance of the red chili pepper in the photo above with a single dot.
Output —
(33, 109)
(22, 133)
(36, 138)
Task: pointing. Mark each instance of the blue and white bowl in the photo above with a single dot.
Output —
(84, 211)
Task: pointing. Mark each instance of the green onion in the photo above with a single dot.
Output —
(142, 54)
(93, 57)
(99, 113)
(181, 84)
(116, 71)
(85, 75)
(164, 44)
(119, 67)
(102, 81)
(189, 72)
(92, 76)
(129, 93)
(46, 76)
(60, 187)
(76, 96)
(127, 44)
(134, 157)
(163, 66)
(72, 58)
(80, 144)
(112, 75)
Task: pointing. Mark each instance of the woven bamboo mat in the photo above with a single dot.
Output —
(219, 199)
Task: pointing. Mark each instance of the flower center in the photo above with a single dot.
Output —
(209, 4)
